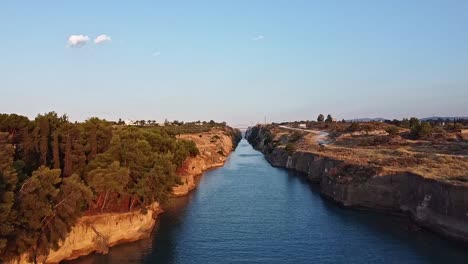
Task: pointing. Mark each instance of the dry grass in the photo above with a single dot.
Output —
(442, 160)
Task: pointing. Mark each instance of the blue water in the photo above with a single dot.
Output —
(250, 212)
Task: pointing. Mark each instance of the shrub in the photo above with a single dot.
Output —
(290, 148)
(295, 136)
(458, 126)
(393, 130)
(355, 126)
(413, 122)
(421, 130)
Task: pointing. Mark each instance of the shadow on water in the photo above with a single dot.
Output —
(432, 247)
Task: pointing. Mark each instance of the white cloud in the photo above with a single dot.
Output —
(156, 54)
(258, 37)
(77, 41)
(102, 39)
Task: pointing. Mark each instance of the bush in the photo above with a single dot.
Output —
(458, 126)
(354, 127)
(393, 130)
(295, 136)
(290, 148)
(421, 130)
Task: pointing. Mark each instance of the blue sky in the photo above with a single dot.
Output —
(236, 61)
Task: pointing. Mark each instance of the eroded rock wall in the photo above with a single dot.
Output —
(435, 204)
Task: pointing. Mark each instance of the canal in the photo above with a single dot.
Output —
(250, 212)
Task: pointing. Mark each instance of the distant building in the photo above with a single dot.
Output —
(130, 123)
(302, 126)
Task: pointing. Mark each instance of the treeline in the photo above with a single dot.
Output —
(53, 170)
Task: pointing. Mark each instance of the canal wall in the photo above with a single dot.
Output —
(436, 205)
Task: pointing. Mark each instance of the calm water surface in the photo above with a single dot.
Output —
(250, 212)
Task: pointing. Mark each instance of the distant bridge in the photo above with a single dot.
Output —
(243, 126)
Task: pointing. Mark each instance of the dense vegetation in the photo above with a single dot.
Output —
(52, 171)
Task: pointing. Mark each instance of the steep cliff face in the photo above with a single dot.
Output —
(440, 206)
(97, 233)
(214, 146)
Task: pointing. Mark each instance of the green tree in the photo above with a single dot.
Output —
(98, 136)
(320, 118)
(156, 184)
(8, 181)
(44, 130)
(414, 122)
(405, 123)
(111, 179)
(56, 149)
(329, 119)
(48, 207)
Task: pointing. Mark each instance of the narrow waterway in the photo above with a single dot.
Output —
(250, 212)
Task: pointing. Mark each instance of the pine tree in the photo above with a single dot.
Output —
(56, 150)
(44, 130)
(320, 118)
(8, 181)
(108, 180)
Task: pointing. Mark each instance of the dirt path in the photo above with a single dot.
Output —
(320, 137)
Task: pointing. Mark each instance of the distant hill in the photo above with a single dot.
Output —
(377, 119)
(444, 118)
(380, 119)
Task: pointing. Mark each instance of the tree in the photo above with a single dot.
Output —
(8, 181)
(56, 149)
(68, 159)
(47, 209)
(413, 122)
(107, 180)
(329, 119)
(156, 184)
(405, 123)
(320, 118)
(98, 134)
(44, 130)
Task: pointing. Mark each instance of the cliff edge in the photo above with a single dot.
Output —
(440, 205)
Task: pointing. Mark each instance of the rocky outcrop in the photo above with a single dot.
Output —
(214, 146)
(435, 204)
(96, 233)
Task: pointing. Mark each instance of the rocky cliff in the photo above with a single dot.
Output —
(214, 146)
(97, 233)
(438, 205)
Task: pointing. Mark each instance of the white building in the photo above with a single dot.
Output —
(130, 123)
